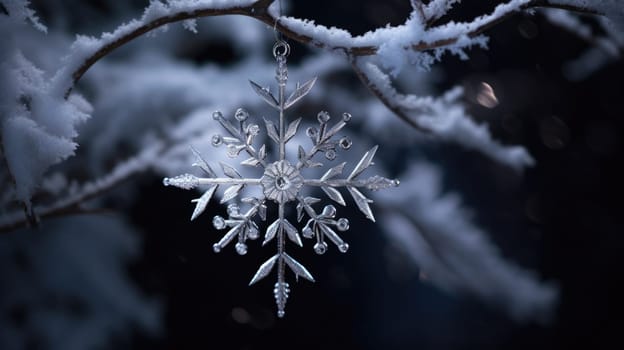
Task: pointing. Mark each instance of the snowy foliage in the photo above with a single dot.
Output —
(606, 46)
(147, 106)
(446, 118)
(38, 124)
(455, 254)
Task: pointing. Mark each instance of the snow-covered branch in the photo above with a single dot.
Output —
(437, 234)
(389, 43)
(443, 117)
(87, 51)
(154, 92)
(155, 98)
(605, 40)
(47, 112)
(77, 197)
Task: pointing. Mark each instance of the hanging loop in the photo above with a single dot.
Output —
(281, 49)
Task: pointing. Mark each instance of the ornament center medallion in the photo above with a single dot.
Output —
(281, 182)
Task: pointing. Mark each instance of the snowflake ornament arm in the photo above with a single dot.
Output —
(281, 183)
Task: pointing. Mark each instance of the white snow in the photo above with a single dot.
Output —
(438, 235)
(20, 11)
(447, 119)
(37, 131)
(606, 47)
(29, 151)
(148, 96)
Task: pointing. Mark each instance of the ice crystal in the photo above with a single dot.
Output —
(281, 183)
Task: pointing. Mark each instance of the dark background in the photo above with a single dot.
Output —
(561, 218)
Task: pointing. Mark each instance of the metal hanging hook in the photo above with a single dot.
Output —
(281, 49)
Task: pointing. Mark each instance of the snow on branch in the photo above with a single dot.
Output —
(72, 203)
(435, 9)
(20, 11)
(444, 117)
(603, 7)
(37, 126)
(393, 46)
(87, 50)
(437, 234)
(605, 47)
(584, 31)
(44, 119)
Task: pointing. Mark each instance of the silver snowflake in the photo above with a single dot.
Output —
(281, 183)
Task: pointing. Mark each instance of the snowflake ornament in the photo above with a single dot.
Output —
(281, 183)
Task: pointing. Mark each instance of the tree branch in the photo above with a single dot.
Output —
(72, 204)
(353, 47)
(573, 25)
(376, 90)
(260, 11)
(443, 117)
(28, 214)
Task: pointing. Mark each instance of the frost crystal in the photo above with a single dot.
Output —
(281, 183)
